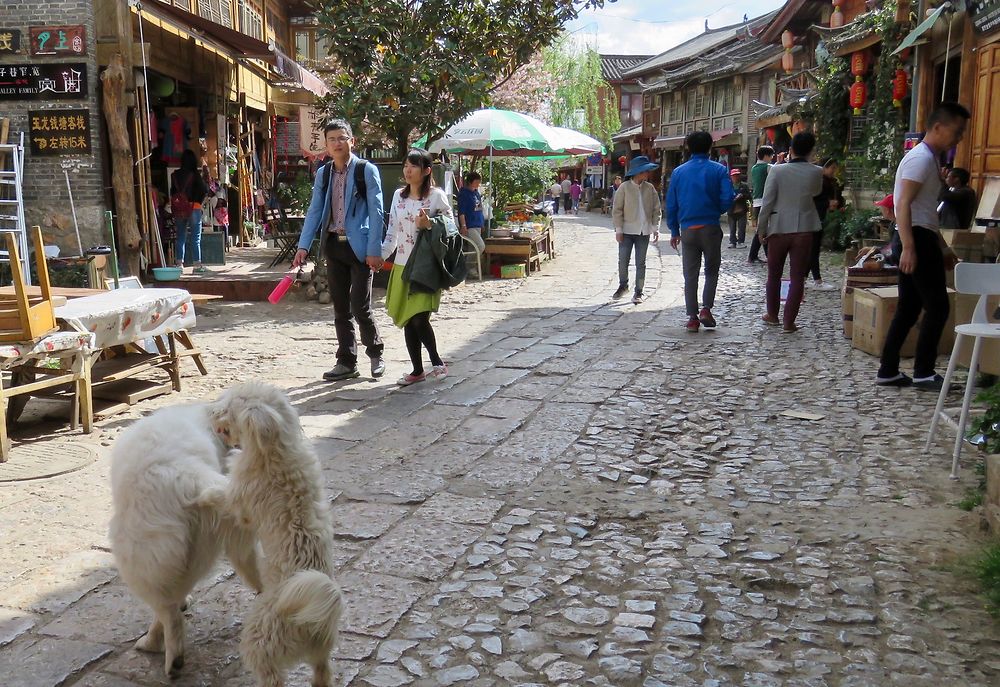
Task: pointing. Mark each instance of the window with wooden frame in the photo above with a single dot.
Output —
(251, 19)
(219, 11)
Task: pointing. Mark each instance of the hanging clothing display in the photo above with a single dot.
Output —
(174, 134)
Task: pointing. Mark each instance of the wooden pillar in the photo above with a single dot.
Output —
(129, 238)
(967, 89)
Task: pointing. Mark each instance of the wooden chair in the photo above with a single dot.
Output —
(23, 318)
(28, 334)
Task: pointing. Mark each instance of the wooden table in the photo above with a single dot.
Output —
(529, 250)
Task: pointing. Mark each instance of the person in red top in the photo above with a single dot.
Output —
(188, 183)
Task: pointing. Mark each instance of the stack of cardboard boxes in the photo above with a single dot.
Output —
(870, 298)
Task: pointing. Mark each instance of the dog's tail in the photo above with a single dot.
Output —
(312, 599)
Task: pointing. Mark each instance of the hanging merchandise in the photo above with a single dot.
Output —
(837, 18)
(788, 59)
(899, 88)
(174, 132)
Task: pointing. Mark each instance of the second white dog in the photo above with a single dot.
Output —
(163, 536)
(275, 489)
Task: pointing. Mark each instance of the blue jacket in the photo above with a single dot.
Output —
(364, 218)
(699, 193)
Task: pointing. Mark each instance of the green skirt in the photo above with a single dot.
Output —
(401, 304)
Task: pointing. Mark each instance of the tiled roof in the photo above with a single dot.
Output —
(614, 66)
(699, 45)
(729, 59)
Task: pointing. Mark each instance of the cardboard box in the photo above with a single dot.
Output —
(968, 244)
(874, 310)
(857, 278)
(989, 354)
(512, 271)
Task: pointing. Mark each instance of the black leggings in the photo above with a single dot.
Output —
(418, 332)
(817, 248)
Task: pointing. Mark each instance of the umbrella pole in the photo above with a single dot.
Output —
(493, 195)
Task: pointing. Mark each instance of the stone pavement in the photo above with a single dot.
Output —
(592, 497)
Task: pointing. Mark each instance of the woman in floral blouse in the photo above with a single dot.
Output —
(411, 211)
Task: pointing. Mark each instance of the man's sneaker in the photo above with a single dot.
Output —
(378, 367)
(638, 298)
(438, 371)
(706, 319)
(692, 325)
(622, 290)
(934, 383)
(741, 245)
(340, 372)
(821, 285)
(898, 380)
(733, 245)
(408, 379)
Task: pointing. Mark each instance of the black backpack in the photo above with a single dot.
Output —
(360, 184)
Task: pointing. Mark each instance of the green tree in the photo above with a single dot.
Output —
(579, 87)
(518, 179)
(421, 65)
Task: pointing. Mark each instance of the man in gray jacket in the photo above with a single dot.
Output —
(787, 225)
(636, 215)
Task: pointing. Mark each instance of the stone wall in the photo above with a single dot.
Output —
(47, 200)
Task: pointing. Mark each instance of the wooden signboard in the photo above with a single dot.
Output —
(985, 15)
(43, 81)
(59, 132)
(10, 41)
(62, 41)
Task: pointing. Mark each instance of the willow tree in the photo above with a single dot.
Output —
(581, 98)
(408, 66)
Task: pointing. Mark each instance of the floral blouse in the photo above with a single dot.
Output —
(402, 233)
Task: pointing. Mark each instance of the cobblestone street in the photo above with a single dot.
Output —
(593, 496)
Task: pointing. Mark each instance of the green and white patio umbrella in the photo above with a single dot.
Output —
(495, 132)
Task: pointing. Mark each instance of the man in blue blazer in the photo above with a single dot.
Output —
(346, 210)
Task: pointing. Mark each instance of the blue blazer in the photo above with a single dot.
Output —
(364, 218)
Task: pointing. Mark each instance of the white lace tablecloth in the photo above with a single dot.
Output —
(128, 315)
(54, 345)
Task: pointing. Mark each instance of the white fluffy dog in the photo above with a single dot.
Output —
(275, 489)
(164, 538)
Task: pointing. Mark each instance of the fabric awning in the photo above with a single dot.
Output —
(230, 41)
(721, 133)
(297, 75)
(922, 28)
(669, 142)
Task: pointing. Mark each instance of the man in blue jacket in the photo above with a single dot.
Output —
(349, 215)
(699, 193)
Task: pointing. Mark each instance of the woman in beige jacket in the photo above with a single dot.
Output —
(636, 217)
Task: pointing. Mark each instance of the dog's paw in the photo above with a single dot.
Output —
(173, 669)
(212, 497)
(147, 643)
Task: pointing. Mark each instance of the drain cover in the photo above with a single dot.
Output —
(35, 461)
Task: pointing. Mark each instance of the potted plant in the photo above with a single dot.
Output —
(985, 433)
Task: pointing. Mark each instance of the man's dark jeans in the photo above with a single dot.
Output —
(925, 289)
(350, 283)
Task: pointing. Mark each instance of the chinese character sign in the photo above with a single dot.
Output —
(58, 40)
(311, 132)
(59, 132)
(10, 41)
(43, 81)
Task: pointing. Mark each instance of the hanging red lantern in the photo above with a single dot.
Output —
(622, 160)
(788, 62)
(898, 88)
(859, 95)
(859, 63)
(787, 58)
(837, 18)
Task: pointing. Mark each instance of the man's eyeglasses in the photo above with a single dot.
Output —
(339, 139)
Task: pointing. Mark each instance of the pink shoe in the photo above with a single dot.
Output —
(408, 379)
(438, 371)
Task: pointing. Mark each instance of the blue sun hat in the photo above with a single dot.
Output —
(638, 165)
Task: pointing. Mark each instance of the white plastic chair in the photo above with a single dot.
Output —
(471, 249)
(984, 280)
